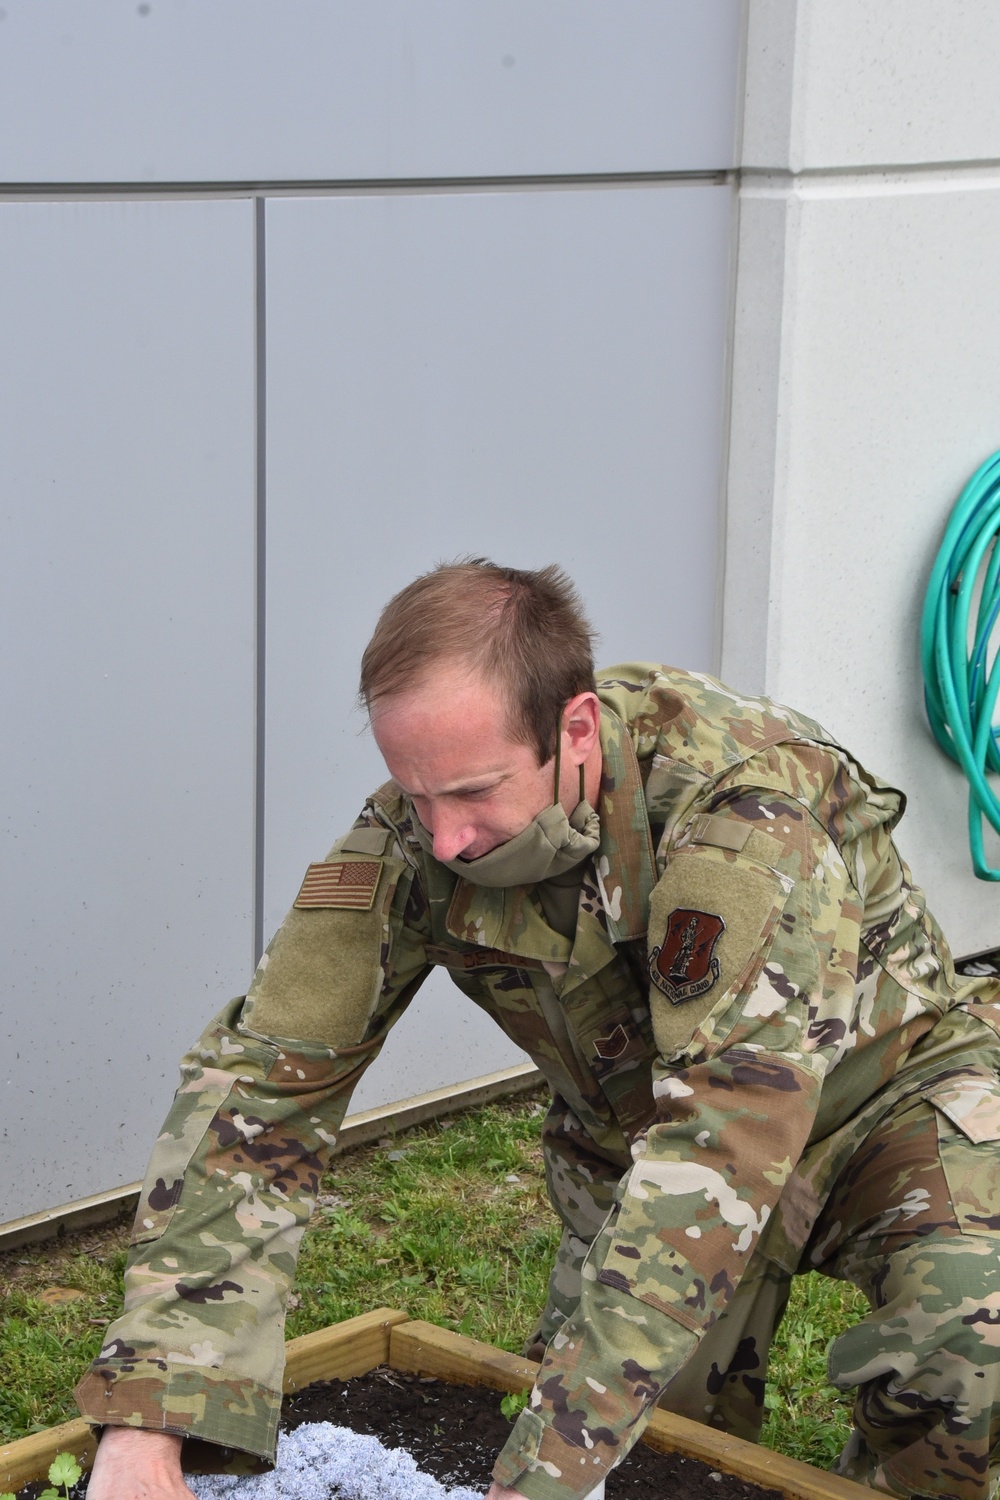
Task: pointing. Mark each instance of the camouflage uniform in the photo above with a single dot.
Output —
(761, 1058)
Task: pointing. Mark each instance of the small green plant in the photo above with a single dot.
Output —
(511, 1406)
(65, 1471)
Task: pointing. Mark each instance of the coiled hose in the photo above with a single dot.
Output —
(960, 682)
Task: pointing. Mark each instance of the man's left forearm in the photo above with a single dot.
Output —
(594, 1393)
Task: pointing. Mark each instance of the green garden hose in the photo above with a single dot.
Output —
(961, 683)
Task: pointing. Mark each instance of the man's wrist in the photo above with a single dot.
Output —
(154, 1447)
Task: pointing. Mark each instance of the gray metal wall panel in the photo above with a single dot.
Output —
(108, 91)
(534, 375)
(127, 630)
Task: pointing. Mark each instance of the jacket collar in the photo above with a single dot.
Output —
(624, 862)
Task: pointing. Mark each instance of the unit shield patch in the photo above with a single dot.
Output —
(340, 884)
(684, 964)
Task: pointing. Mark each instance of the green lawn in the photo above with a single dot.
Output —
(450, 1223)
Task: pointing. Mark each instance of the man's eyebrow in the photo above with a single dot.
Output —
(474, 784)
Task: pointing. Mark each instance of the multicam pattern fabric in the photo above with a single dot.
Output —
(908, 1221)
(805, 996)
(232, 1183)
(581, 1182)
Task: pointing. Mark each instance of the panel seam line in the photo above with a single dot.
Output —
(260, 566)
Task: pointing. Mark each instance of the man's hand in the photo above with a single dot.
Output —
(135, 1463)
(504, 1492)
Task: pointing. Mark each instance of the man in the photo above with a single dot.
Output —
(687, 907)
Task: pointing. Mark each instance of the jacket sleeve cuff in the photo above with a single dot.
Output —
(227, 1410)
(542, 1465)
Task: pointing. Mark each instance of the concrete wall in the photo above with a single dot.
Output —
(865, 387)
(295, 301)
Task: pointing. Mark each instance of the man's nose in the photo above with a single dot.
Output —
(452, 834)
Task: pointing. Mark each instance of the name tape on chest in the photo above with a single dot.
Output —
(479, 958)
(340, 884)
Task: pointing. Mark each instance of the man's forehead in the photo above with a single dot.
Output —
(454, 691)
(454, 675)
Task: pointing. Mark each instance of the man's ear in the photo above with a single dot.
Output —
(581, 724)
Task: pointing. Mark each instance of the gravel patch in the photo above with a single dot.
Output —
(318, 1460)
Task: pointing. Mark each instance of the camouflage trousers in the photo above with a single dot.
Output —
(906, 1223)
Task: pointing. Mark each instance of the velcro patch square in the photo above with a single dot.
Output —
(345, 884)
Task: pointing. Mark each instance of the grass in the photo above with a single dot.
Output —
(450, 1223)
(44, 1349)
(807, 1417)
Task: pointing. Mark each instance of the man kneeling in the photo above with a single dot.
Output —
(686, 906)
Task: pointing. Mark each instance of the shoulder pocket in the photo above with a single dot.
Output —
(712, 918)
(364, 841)
(671, 787)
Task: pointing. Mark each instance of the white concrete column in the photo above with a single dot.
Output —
(866, 379)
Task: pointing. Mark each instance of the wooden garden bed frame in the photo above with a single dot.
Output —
(388, 1337)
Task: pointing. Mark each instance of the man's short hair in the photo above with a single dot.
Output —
(524, 630)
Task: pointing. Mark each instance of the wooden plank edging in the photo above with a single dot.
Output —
(344, 1349)
(388, 1336)
(423, 1349)
(29, 1458)
(420, 1348)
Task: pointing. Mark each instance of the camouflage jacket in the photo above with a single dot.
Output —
(754, 981)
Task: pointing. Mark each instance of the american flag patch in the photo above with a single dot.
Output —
(348, 884)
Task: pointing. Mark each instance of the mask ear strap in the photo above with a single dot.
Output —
(555, 799)
(583, 789)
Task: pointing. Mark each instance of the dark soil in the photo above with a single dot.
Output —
(454, 1432)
